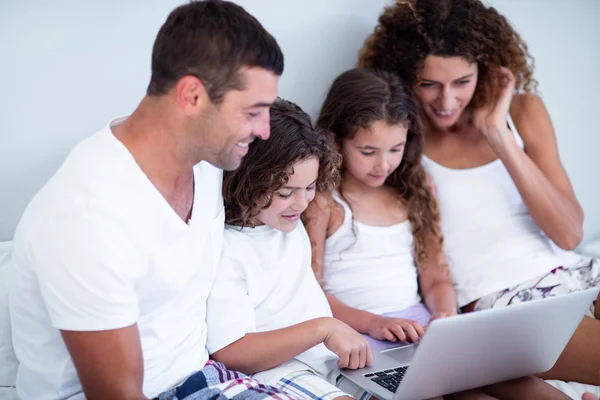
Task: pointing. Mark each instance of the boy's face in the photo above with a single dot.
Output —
(292, 199)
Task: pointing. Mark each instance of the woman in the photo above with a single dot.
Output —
(491, 150)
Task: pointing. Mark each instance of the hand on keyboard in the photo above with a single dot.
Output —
(394, 329)
(350, 346)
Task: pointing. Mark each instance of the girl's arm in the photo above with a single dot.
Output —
(435, 284)
(537, 173)
(257, 352)
(376, 326)
(316, 221)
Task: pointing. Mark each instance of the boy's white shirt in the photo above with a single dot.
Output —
(265, 282)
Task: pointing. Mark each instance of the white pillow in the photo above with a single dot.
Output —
(8, 360)
(591, 249)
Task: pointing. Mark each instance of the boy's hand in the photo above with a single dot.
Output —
(350, 346)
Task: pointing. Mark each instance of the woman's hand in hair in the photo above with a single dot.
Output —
(491, 119)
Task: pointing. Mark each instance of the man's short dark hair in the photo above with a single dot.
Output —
(211, 40)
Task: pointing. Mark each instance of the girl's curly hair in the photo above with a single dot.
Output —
(410, 30)
(269, 163)
(358, 98)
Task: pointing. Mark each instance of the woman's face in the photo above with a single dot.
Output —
(445, 87)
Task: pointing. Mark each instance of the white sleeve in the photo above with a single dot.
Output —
(86, 269)
(230, 311)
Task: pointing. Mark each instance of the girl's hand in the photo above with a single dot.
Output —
(393, 329)
(490, 119)
(441, 314)
(351, 347)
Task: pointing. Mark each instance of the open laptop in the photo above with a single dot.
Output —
(476, 349)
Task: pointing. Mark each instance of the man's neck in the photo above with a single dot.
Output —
(153, 136)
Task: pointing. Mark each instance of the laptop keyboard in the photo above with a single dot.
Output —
(388, 379)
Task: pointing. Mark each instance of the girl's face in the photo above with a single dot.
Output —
(292, 199)
(374, 153)
(445, 87)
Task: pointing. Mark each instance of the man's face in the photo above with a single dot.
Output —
(243, 115)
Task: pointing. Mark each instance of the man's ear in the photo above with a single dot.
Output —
(191, 95)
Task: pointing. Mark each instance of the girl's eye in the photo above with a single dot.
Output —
(367, 153)
(254, 114)
(396, 150)
(426, 84)
(311, 188)
(284, 195)
(463, 82)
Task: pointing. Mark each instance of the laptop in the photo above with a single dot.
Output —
(476, 349)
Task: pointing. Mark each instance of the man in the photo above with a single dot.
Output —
(115, 256)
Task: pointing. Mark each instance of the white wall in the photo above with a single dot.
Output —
(68, 66)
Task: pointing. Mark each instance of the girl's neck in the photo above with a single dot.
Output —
(354, 187)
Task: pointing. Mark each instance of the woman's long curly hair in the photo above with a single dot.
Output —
(358, 98)
(269, 163)
(410, 30)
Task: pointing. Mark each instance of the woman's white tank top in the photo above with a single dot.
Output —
(491, 240)
(371, 268)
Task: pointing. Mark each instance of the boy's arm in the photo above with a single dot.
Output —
(256, 352)
(260, 351)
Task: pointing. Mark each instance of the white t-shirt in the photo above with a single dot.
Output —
(99, 248)
(265, 282)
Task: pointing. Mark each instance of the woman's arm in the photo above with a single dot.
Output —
(537, 173)
(260, 351)
(540, 176)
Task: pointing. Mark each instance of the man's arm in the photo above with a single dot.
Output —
(109, 363)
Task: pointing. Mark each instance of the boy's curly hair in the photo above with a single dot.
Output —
(267, 166)
(410, 30)
(358, 98)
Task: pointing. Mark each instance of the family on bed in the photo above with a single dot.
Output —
(216, 243)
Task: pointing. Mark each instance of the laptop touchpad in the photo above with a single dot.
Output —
(401, 354)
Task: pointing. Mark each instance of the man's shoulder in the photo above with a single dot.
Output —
(97, 181)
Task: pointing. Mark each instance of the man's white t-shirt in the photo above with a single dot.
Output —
(265, 282)
(99, 248)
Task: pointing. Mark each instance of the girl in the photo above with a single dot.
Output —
(492, 152)
(376, 242)
(267, 315)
